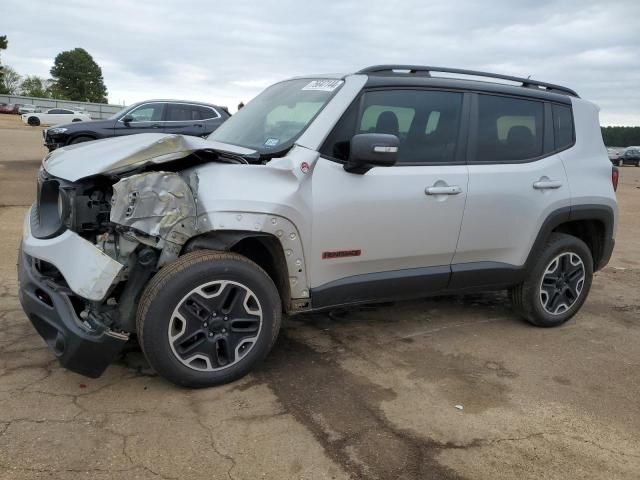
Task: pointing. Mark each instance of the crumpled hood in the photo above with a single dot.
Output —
(119, 154)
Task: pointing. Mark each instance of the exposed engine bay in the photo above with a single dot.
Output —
(141, 221)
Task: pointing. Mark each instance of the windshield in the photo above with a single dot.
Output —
(273, 120)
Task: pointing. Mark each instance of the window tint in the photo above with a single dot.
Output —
(509, 128)
(178, 112)
(562, 127)
(56, 111)
(147, 113)
(425, 122)
(206, 113)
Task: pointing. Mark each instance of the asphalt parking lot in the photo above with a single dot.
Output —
(368, 393)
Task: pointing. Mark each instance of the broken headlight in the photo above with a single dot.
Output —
(51, 210)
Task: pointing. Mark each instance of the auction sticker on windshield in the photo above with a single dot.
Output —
(323, 85)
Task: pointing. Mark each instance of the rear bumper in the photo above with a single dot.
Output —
(48, 306)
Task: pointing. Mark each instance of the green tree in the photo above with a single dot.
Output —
(621, 136)
(34, 86)
(10, 82)
(3, 46)
(77, 77)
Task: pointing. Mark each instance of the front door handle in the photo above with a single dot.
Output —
(545, 184)
(443, 190)
(156, 125)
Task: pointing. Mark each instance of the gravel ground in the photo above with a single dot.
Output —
(368, 393)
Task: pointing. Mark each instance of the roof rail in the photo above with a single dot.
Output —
(426, 71)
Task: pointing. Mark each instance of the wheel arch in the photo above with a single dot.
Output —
(274, 244)
(593, 224)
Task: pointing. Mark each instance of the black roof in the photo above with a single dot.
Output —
(414, 76)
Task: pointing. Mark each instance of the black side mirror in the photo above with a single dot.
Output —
(368, 150)
(127, 119)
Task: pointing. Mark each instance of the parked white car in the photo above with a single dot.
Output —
(54, 116)
(29, 109)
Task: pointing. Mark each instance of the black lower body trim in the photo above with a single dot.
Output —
(381, 286)
(51, 312)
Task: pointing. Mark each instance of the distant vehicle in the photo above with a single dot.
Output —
(631, 156)
(8, 108)
(614, 154)
(156, 116)
(28, 109)
(54, 116)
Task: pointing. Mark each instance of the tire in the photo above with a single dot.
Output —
(33, 121)
(620, 162)
(188, 325)
(537, 298)
(76, 120)
(81, 139)
(638, 163)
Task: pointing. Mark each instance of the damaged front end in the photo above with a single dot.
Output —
(91, 245)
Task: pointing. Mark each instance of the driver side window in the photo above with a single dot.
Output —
(427, 124)
(147, 113)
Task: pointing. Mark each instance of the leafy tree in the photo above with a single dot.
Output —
(10, 82)
(77, 77)
(34, 86)
(3, 46)
(621, 136)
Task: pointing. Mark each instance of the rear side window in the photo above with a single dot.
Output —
(427, 124)
(509, 129)
(562, 127)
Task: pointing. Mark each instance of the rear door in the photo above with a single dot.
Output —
(516, 179)
(392, 231)
(183, 118)
(145, 118)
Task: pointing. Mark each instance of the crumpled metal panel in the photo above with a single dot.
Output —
(160, 204)
(119, 154)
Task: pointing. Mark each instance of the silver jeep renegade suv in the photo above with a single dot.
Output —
(323, 191)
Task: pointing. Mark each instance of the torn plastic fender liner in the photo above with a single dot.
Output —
(159, 204)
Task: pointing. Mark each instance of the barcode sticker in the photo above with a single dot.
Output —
(323, 85)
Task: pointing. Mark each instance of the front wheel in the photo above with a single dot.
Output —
(558, 283)
(620, 162)
(208, 318)
(33, 121)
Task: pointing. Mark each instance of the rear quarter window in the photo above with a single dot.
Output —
(563, 131)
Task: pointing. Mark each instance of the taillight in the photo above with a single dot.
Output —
(615, 176)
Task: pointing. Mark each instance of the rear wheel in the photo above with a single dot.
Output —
(620, 162)
(558, 284)
(81, 140)
(208, 318)
(33, 121)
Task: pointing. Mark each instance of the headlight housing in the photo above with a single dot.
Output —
(51, 210)
(57, 130)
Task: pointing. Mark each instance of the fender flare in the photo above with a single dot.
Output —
(234, 226)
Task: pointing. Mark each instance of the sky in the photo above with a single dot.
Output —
(227, 52)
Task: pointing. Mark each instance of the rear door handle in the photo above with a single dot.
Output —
(443, 190)
(547, 184)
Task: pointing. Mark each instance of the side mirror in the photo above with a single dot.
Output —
(368, 150)
(127, 119)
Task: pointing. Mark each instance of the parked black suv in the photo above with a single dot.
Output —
(631, 156)
(158, 116)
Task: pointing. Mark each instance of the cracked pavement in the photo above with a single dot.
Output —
(365, 393)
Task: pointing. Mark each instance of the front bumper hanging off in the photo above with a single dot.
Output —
(48, 304)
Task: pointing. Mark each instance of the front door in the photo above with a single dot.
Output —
(391, 232)
(146, 118)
